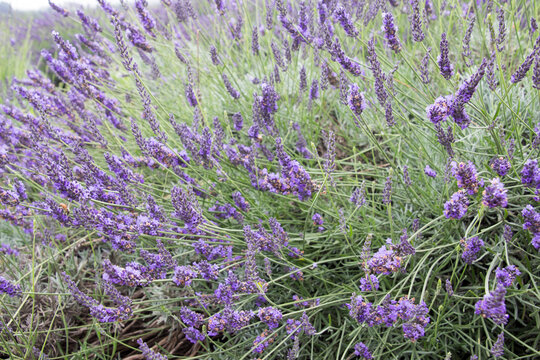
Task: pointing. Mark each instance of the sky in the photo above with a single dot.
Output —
(40, 4)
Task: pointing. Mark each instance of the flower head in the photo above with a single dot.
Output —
(457, 206)
(495, 194)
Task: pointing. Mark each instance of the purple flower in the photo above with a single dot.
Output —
(438, 111)
(507, 275)
(6, 287)
(8, 250)
(369, 283)
(148, 353)
(536, 72)
(240, 201)
(416, 22)
(193, 335)
(445, 67)
(492, 306)
(186, 206)
(532, 223)
(449, 288)
(379, 76)
(190, 95)
(344, 19)
(270, 316)
(424, 68)
(495, 194)
(317, 219)
(358, 196)
(58, 9)
(362, 350)
(498, 347)
(523, 69)
(430, 172)
(384, 262)
(466, 176)
(230, 89)
(262, 341)
(387, 191)
(214, 56)
(147, 21)
(457, 206)
(500, 165)
(390, 30)
(406, 178)
(183, 275)
(466, 53)
(530, 174)
(255, 41)
(471, 247)
(356, 100)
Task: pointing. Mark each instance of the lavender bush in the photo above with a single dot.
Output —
(274, 180)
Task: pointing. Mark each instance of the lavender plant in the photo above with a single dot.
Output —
(273, 180)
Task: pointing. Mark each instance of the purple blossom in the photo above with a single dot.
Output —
(356, 100)
(384, 262)
(369, 282)
(445, 67)
(530, 174)
(507, 275)
(148, 353)
(497, 349)
(466, 176)
(147, 20)
(430, 172)
(240, 201)
(492, 306)
(58, 9)
(387, 191)
(416, 22)
(438, 111)
(495, 194)
(230, 89)
(7, 287)
(6, 249)
(523, 69)
(341, 15)
(390, 31)
(532, 223)
(262, 341)
(358, 196)
(500, 165)
(457, 206)
(270, 316)
(471, 247)
(193, 334)
(449, 289)
(360, 349)
(183, 275)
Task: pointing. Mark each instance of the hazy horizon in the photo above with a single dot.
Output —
(28, 5)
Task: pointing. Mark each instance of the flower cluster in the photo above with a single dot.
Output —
(532, 223)
(471, 248)
(493, 306)
(495, 195)
(414, 317)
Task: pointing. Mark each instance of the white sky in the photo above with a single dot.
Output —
(41, 4)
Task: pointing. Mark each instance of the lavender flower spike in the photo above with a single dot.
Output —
(344, 19)
(525, 66)
(390, 30)
(445, 67)
(416, 22)
(356, 100)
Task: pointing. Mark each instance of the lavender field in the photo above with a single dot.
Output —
(270, 179)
